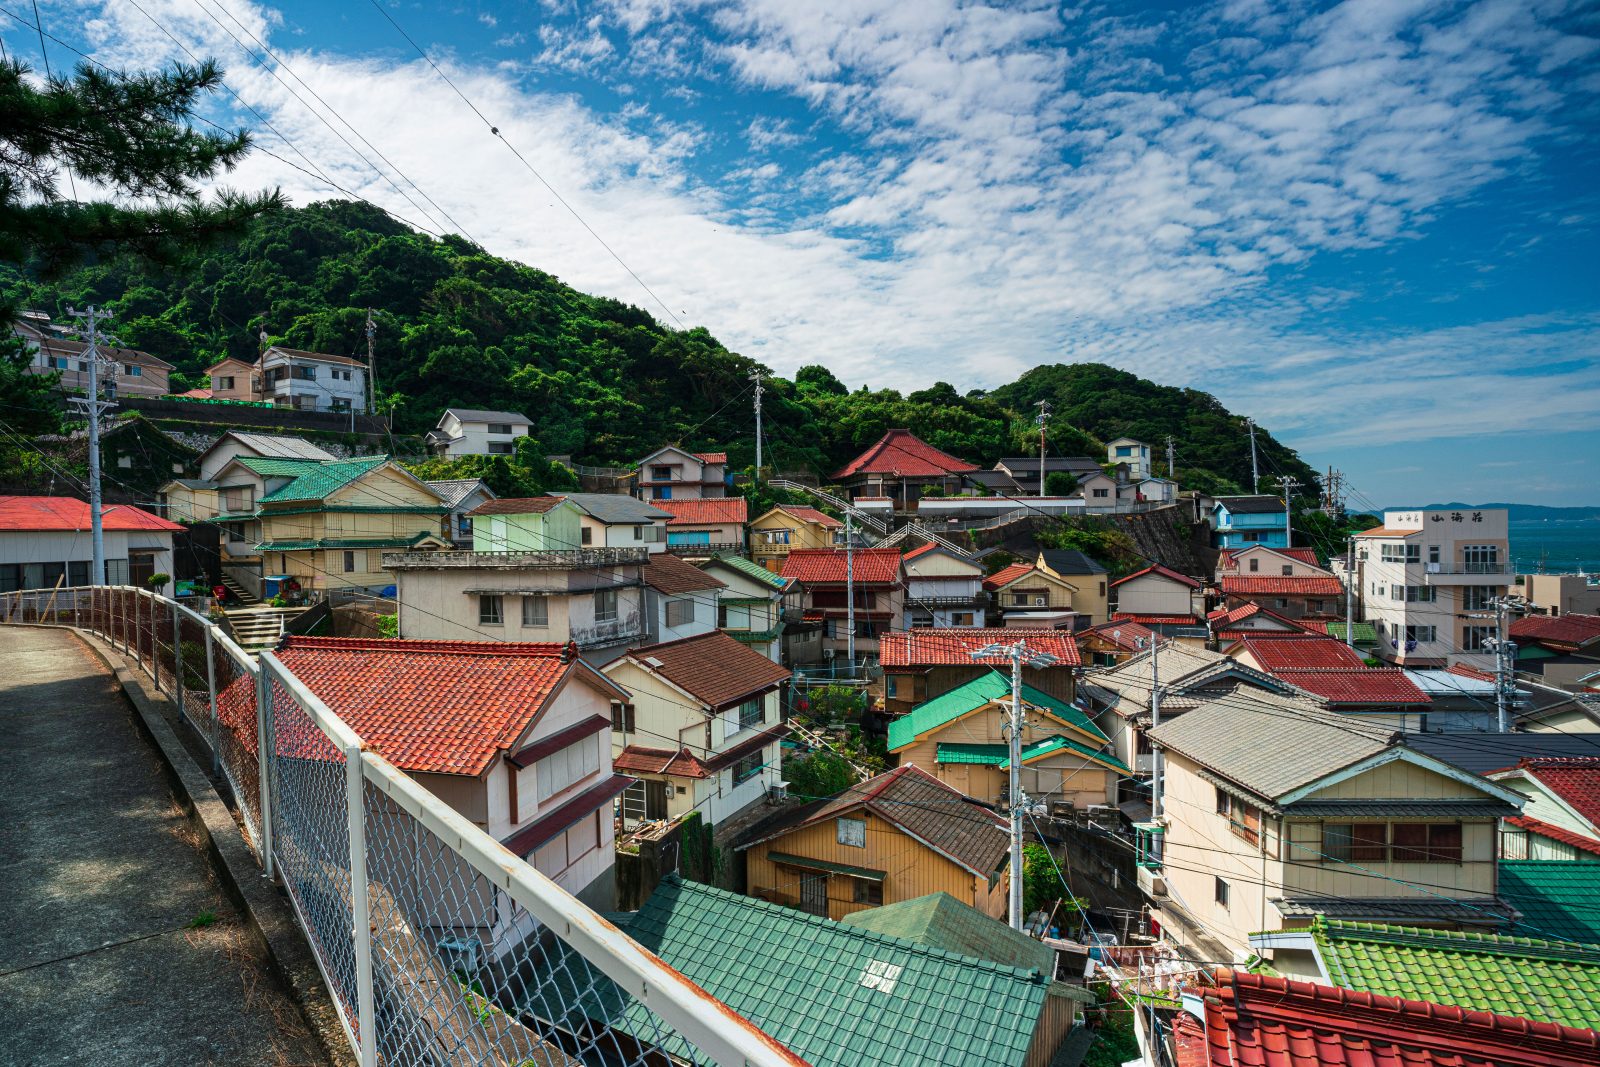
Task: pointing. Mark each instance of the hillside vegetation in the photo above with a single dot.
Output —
(602, 380)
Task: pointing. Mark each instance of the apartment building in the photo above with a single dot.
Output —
(1428, 582)
(135, 373)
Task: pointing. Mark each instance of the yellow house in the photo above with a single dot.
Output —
(892, 838)
(1272, 814)
(327, 524)
(1087, 578)
(791, 526)
(960, 737)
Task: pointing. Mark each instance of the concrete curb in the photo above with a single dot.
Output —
(267, 911)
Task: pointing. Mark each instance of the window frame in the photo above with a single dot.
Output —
(856, 828)
(491, 609)
(603, 612)
(679, 611)
(536, 620)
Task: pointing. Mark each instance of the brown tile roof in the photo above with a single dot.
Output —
(713, 668)
(1165, 572)
(517, 505)
(921, 806)
(1570, 631)
(666, 573)
(680, 763)
(805, 514)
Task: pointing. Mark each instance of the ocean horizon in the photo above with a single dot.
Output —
(1555, 546)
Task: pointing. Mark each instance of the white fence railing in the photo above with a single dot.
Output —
(438, 945)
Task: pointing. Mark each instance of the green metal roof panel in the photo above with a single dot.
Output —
(345, 542)
(941, 921)
(1557, 898)
(1365, 633)
(751, 570)
(967, 752)
(1547, 981)
(317, 480)
(836, 995)
(1047, 746)
(947, 707)
(274, 467)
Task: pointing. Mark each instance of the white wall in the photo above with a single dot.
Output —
(323, 390)
(38, 547)
(474, 438)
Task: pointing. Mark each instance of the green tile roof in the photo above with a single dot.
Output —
(999, 756)
(1365, 633)
(273, 467)
(947, 707)
(1557, 898)
(837, 995)
(941, 921)
(751, 570)
(345, 542)
(1547, 981)
(1049, 745)
(966, 752)
(315, 481)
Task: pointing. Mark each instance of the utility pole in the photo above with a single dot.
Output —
(94, 407)
(1289, 485)
(1153, 642)
(755, 376)
(372, 365)
(1044, 417)
(850, 591)
(1170, 475)
(1020, 655)
(1350, 592)
(1505, 660)
(1255, 473)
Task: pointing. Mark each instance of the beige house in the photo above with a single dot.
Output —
(1272, 814)
(234, 379)
(1428, 582)
(788, 526)
(673, 473)
(944, 588)
(1025, 594)
(1169, 603)
(1088, 579)
(135, 373)
(594, 597)
(1559, 594)
(702, 731)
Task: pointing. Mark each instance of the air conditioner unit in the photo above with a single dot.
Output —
(1151, 883)
(778, 791)
(460, 954)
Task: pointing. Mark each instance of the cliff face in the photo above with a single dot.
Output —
(1168, 536)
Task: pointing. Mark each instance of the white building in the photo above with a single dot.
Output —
(46, 539)
(313, 381)
(1136, 454)
(611, 520)
(943, 588)
(1428, 578)
(474, 432)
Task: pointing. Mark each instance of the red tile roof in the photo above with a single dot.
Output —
(707, 511)
(903, 453)
(517, 505)
(1228, 618)
(1575, 779)
(1553, 832)
(879, 566)
(1571, 631)
(1471, 672)
(1278, 585)
(1124, 635)
(805, 514)
(1369, 685)
(666, 573)
(713, 668)
(1006, 575)
(636, 759)
(1300, 651)
(922, 551)
(1264, 1021)
(445, 707)
(1155, 620)
(1228, 560)
(931, 647)
(711, 457)
(1165, 572)
(66, 514)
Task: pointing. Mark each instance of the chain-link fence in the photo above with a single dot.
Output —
(439, 946)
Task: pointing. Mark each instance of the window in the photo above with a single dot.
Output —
(306, 374)
(1425, 842)
(680, 611)
(1288, 570)
(564, 769)
(1422, 634)
(867, 892)
(1400, 553)
(661, 474)
(1355, 842)
(125, 462)
(1219, 892)
(777, 537)
(1124, 450)
(491, 609)
(1100, 494)
(891, 687)
(1255, 565)
(499, 448)
(961, 618)
(1433, 553)
(587, 535)
(1020, 599)
(622, 717)
(133, 370)
(536, 610)
(1415, 594)
(661, 492)
(349, 562)
(1244, 819)
(751, 713)
(1282, 603)
(1477, 638)
(1481, 559)
(502, 428)
(852, 832)
(222, 382)
(747, 768)
(1477, 597)
(605, 605)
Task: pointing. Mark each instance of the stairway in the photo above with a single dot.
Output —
(869, 522)
(916, 529)
(257, 628)
(239, 592)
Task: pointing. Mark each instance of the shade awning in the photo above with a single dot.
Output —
(809, 864)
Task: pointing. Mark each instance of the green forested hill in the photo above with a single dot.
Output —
(602, 380)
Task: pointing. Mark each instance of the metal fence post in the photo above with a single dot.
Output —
(177, 661)
(211, 702)
(138, 629)
(264, 762)
(361, 925)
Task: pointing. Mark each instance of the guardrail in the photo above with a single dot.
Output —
(437, 944)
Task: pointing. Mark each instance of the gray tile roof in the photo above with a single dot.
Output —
(271, 446)
(1490, 910)
(1484, 752)
(455, 490)
(1269, 744)
(516, 418)
(1403, 809)
(1070, 561)
(617, 509)
(1252, 505)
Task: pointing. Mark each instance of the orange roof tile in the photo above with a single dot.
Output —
(813, 566)
(67, 514)
(1300, 651)
(931, 647)
(707, 511)
(1278, 585)
(1006, 575)
(1381, 531)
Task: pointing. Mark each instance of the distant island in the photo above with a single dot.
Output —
(1522, 511)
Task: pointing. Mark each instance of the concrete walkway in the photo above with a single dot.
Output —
(117, 946)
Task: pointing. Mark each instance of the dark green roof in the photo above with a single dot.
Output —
(947, 707)
(968, 752)
(750, 569)
(345, 542)
(1049, 745)
(1365, 634)
(940, 920)
(315, 481)
(275, 467)
(1557, 898)
(997, 755)
(1547, 981)
(836, 995)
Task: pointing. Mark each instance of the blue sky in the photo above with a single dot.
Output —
(1371, 225)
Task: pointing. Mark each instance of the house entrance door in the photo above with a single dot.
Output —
(814, 894)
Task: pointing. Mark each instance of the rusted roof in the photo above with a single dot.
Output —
(1367, 685)
(666, 573)
(1273, 652)
(517, 505)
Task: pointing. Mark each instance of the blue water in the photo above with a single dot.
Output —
(1562, 545)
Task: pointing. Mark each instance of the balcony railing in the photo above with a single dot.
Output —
(1466, 568)
(566, 559)
(609, 632)
(706, 548)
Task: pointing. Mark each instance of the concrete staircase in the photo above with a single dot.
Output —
(257, 628)
(239, 592)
